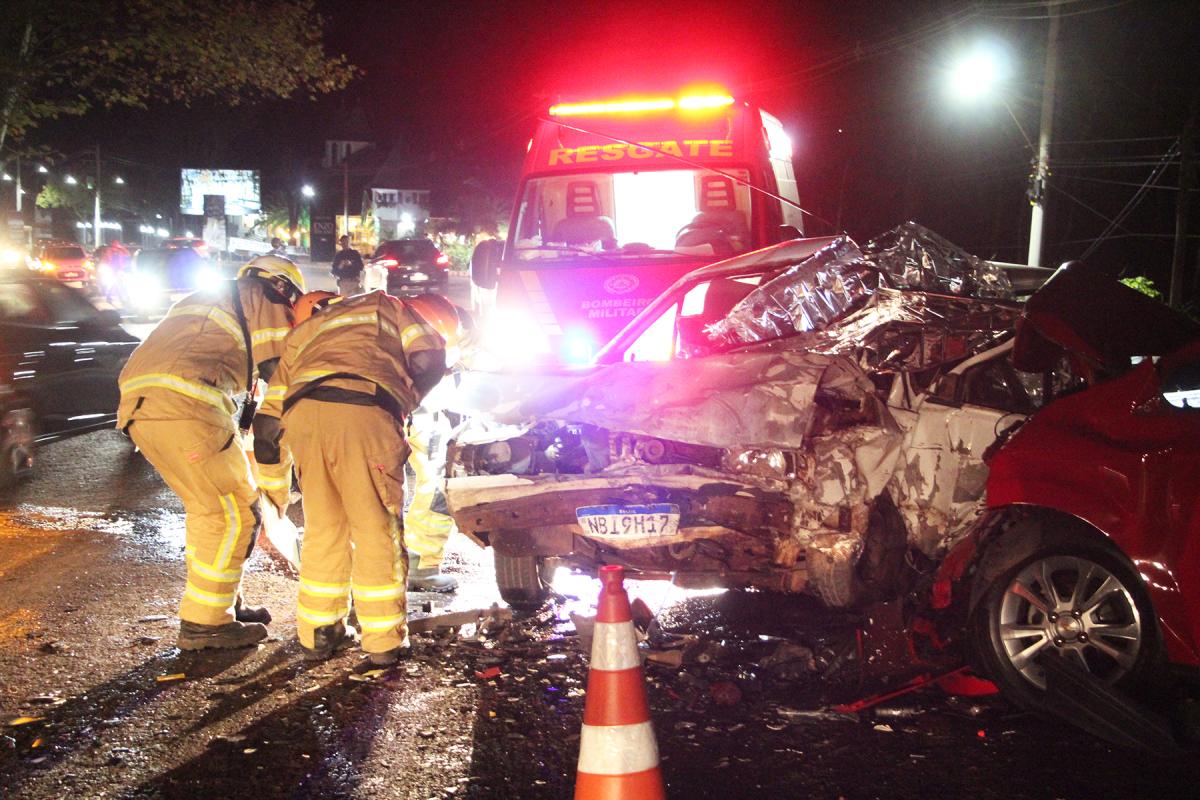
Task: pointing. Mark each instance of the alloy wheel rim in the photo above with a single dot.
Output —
(1076, 607)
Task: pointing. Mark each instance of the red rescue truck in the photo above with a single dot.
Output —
(617, 200)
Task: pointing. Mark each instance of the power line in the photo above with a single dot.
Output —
(1155, 174)
(1079, 13)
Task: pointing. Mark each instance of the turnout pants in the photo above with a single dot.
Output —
(207, 468)
(427, 521)
(350, 461)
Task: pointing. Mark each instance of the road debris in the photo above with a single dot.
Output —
(153, 618)
(175, 676)
(19, 721)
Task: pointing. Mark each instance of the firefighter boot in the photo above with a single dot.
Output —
(328, 639)
(245, 613)
(194, 636)
(428, 579)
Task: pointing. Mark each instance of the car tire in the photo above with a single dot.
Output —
(1108, 629)
(519, 579)
(16, 464)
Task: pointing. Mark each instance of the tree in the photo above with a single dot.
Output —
(61, 57)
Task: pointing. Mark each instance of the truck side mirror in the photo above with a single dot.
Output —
(485, 263)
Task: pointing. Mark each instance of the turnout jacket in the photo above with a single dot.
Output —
(361, 346)
(193, 364)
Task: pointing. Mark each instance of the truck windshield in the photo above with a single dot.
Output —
(690, 211)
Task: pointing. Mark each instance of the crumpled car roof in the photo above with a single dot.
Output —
(824, 325)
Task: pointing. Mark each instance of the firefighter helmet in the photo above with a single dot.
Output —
(311, 303)
(442, 316)
(272, 266)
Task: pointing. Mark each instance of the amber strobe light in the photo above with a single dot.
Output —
(634, 105)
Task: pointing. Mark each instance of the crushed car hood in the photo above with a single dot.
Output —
(1102, 321)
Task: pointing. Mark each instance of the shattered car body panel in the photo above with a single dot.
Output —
(809, 414)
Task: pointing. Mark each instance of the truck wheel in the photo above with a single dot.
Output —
(519, 579)
(15, 463)
(1081, 601)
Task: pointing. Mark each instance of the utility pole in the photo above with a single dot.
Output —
(1037, 184)
(96, 220)
(346, 195)
(18, 184)
(1187, 151)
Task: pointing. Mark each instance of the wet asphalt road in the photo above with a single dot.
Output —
(91, 568)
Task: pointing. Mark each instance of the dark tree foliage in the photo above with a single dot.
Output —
(60, 57)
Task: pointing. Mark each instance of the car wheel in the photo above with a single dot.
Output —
(519, 579)
(16, 463)
(1079, 601)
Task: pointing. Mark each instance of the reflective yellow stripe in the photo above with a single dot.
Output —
(414, 332)
(208, 598)
(388, 591)
(269, 335)
(317, 618)
(319, 589)
(370, 318)
(310, 375)
(381, 623)
(193, 389)
(267, 481)
(224, 576)
(276, 393)
(218, 315)
(233, 525)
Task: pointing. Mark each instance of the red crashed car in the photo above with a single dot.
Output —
(1091, 544)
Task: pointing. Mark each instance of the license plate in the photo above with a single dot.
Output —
(656, 519)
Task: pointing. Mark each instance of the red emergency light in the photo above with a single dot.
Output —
(692, 102)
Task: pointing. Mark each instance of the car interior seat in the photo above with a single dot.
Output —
(719, 224)
(584, 222)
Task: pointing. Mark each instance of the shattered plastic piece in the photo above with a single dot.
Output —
(38, 742)
(366, 676)
(666, 658)
(488, 674)
(153, 618)
(883, 728)
(175, 676)
(23, 721)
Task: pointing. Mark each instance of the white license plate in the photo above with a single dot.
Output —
(633, 522)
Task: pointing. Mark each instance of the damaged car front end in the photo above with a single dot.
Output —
(808, 417)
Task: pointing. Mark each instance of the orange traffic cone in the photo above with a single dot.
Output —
(618, 757)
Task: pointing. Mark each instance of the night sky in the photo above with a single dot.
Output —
(857, 84)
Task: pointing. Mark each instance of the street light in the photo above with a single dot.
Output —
(70, 179)
(119, 180)
(42, 169)
(308, 191)
(978, 73)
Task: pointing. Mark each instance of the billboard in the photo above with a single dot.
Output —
(239, 187)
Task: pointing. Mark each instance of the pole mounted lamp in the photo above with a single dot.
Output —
(979, 74)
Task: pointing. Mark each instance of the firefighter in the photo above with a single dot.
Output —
(349, 377)
(178, 404)
(427, 521)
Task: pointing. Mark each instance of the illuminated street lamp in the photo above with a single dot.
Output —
(70, 180)
(42, 169)
(119, 180)
(308, 191)
(979, 73)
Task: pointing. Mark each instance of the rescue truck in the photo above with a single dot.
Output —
(618, 199)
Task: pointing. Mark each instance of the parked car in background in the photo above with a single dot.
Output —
(67, 262)
(61, 357)
(408, 266)
(188, 242)
(158, 277)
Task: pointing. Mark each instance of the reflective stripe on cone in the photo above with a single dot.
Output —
(618, 757)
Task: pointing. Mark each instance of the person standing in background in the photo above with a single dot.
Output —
(347, 268)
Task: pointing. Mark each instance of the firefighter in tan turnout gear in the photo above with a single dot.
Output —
(349, 377)
(427, 521)
(179, 394)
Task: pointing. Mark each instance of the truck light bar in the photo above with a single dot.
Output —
(633, 106)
